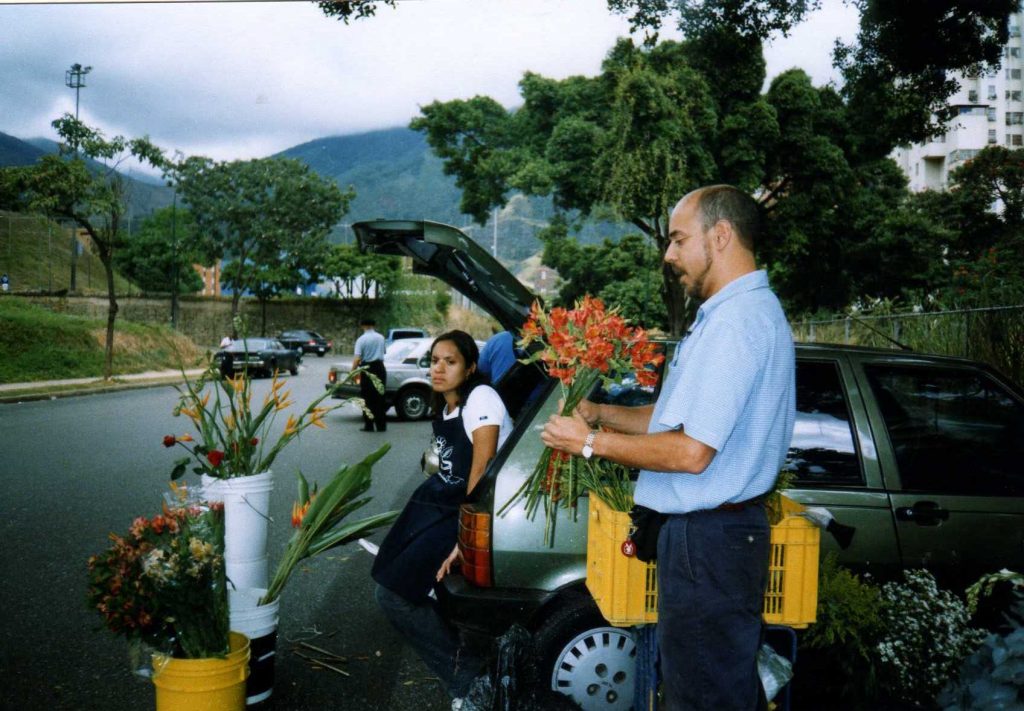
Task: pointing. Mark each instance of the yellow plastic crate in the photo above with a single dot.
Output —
(626, 589)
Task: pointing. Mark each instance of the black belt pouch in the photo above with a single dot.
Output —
(646, 527)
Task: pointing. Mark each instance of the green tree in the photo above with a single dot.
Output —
(61, 186)
(358, 275)
(161, 252)
(625, 274)
(984, 208)
(899, 73)
(630, 141)
(257, 214)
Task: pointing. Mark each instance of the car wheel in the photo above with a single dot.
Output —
(586, 659)
(294, 370)
(412, 404)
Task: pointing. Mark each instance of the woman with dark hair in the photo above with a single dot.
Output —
(470, 424)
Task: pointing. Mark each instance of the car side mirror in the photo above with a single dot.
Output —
(424, 362)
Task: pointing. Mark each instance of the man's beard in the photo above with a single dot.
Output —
(696, 289)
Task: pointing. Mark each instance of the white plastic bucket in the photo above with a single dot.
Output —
(246, 514)
(259, 624)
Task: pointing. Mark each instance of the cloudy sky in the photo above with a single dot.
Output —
(240, 80)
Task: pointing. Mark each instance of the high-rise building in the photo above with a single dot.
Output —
(989, 112)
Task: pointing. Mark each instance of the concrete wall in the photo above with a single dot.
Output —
(207, 320)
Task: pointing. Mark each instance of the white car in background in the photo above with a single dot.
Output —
(407, 385)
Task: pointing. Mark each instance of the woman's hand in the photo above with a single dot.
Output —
(446, 566)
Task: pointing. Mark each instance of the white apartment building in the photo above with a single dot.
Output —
(990, 111)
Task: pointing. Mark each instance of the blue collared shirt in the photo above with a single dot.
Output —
(370, 346)
(731, 385)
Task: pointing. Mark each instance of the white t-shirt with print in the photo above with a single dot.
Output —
(484, 407)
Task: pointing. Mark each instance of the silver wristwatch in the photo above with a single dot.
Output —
(588, 445)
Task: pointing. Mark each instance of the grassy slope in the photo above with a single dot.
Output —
(38, 344)
(36, 254)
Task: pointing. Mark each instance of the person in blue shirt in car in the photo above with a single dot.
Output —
(709, 451)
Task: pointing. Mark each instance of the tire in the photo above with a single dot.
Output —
(585, 658)
(294, 370)
(412, 404)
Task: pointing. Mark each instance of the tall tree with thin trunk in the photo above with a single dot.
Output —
(93, 197)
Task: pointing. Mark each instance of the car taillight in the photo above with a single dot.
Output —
(475, 542)
(332, 377)
(312, 342)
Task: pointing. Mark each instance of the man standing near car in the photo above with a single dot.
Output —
(709, 451)
(370, 353)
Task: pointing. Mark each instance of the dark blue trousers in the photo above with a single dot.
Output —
(712, 572)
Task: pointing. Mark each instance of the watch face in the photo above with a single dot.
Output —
(588, 451)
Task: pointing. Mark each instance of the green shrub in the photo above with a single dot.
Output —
(844, 638)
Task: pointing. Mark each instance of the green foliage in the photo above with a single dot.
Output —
(162, 251)
(358, 275)
(269, 216)
(39, 344)
(758, 18)
(625, 274)
(844, 637)
(898, 75)
(992, 678)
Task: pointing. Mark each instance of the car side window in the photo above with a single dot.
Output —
(823, 450)
(953, 430)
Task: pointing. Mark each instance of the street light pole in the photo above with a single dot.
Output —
(174, 266)
(74, 78)
(494, 241)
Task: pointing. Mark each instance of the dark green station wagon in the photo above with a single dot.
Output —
(922, 455)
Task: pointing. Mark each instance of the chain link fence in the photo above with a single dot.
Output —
(36, 256)
(994, 335)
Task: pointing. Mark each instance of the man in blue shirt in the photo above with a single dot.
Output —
(497, 356)
(370, 353)
(709, 450)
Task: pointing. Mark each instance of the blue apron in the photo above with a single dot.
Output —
(425, 532)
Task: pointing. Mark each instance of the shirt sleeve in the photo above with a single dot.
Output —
(360, 345)
(715, 383)
(483, 407)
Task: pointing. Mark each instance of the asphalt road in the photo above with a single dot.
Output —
(75, 469)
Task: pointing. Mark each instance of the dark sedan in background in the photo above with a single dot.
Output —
(305, 342)
(257, 356)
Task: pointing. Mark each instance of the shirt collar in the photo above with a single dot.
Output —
(748, 282)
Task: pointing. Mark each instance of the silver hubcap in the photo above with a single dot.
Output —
(596, 669)
(414, 405)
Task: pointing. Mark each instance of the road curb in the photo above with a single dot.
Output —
(32, 395)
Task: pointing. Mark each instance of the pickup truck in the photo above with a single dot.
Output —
(923, 455)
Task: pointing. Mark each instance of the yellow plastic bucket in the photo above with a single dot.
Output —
(203, 684)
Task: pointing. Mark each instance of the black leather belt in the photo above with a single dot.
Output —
(741, 505)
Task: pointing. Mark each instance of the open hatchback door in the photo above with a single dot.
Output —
(445, 252)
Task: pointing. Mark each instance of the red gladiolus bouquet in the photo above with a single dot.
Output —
(582, 347)
(163, 584)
